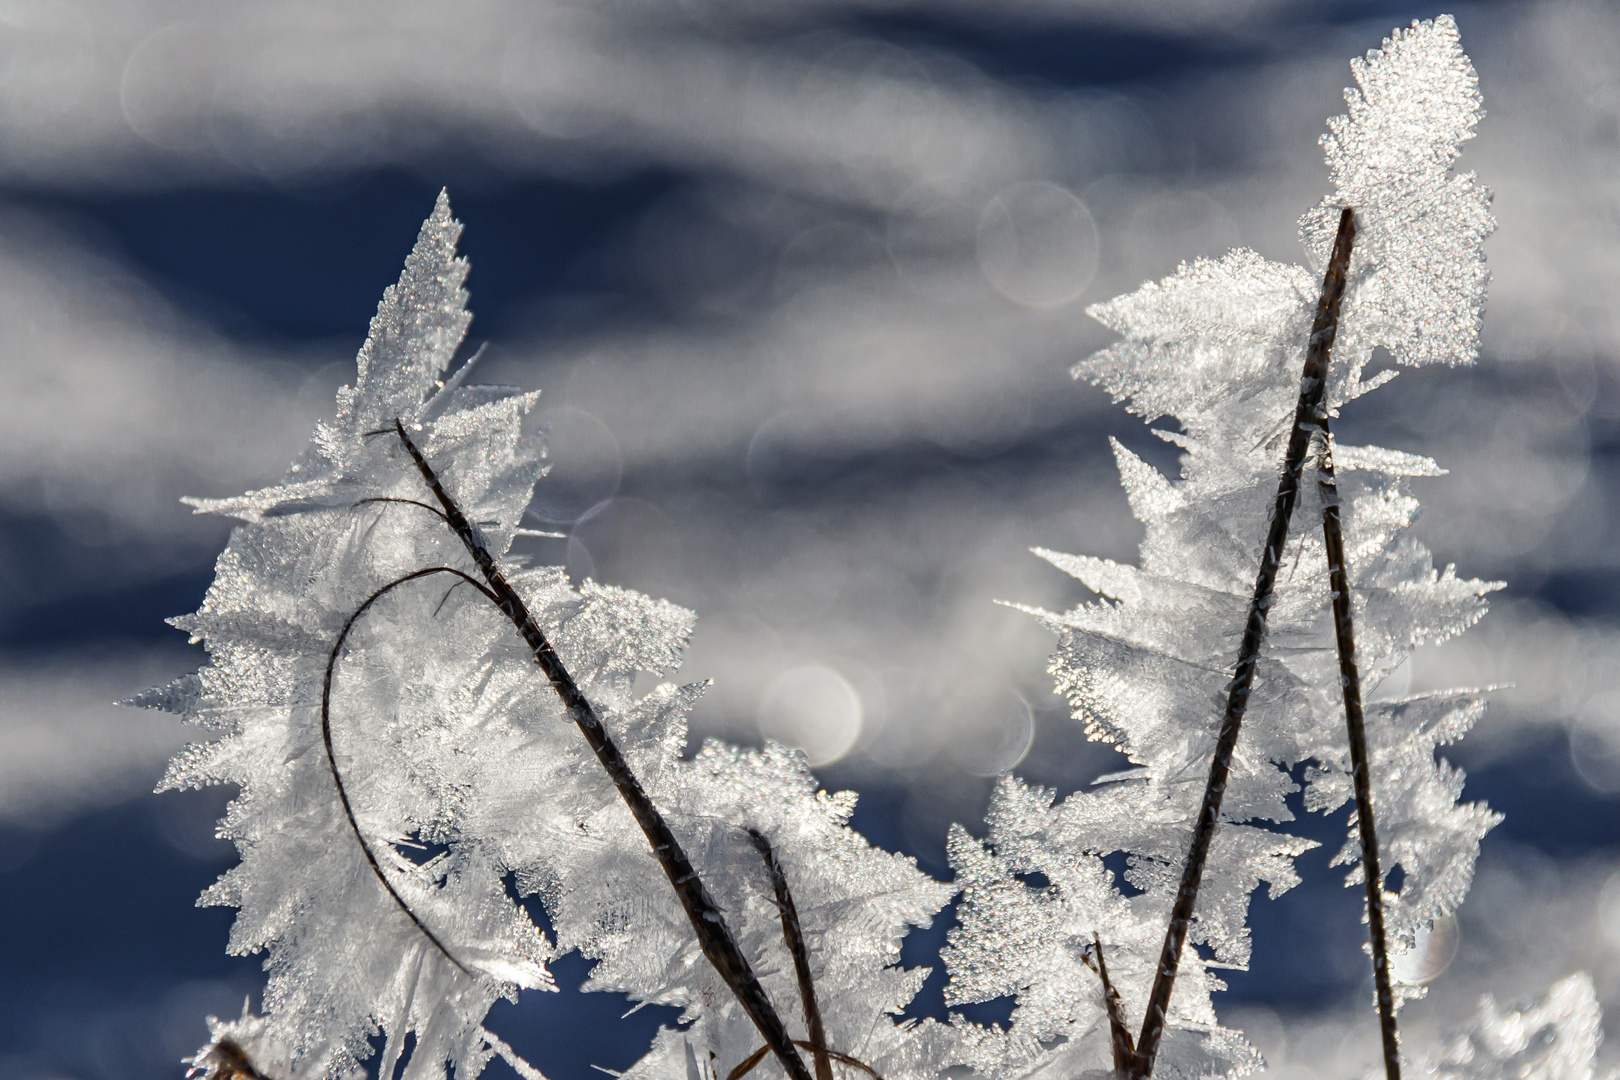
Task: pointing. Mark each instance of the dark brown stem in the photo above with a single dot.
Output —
(1120, 1034)
(793, 934)
(331, 756)
(746, 1065)
(1308, 418)
(713, 936)
(434, 510)
(1350, 680)
(224, 1060)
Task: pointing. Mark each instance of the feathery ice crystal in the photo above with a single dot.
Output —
(1218, 346)
(407, 775)
(383, 848)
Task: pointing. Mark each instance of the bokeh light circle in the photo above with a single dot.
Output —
(813, 708)
(1037, 244)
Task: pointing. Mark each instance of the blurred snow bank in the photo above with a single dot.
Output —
(114, 406)
(109, 92)
(1530, 921)
(115, 93)
(1557, 673)
(291, 88)
(65, 748)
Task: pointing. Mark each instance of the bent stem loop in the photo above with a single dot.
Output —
(713, 936)
(331, 756)
(1350, 681)
(1309, 416)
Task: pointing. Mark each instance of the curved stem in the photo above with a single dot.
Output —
(747, 1064)
(708, 922)
(434, 510)
(331, 757)
(1308, 417)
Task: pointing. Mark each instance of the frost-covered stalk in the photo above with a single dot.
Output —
(407, 775)
(713, 935)
(1309, 419)
(1124, 1045)
(1218, 347)
(1344, 634)
(793, 937)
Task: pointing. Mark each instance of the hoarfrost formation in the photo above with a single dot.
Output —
(1218, 347)
(377, 853)
(406, 777)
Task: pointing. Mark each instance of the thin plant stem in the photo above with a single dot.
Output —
(434, 510)
(1118, 1031)
(1308, 418)
(331, 756)
(793, 934)
(746, 1065)
(714, 937)
(1350, 681)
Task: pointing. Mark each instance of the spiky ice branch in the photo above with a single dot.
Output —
(1309, 416)
(714, 937)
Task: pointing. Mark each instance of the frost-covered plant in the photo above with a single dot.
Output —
(1218, 348)
(407, 774)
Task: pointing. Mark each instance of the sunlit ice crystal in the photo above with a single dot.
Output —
(1218, 347)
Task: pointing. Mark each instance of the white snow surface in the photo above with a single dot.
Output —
(1554, 1037)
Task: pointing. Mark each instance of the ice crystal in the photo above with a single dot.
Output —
(363, 930)
(1218, 346)
(855, 903)
(1031, 940)
(1553, 1038)
(407, 772)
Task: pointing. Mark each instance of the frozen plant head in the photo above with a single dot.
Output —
(367, 874)
(1218, 347)
(407, 773)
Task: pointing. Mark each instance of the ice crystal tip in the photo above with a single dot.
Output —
(1420, 256)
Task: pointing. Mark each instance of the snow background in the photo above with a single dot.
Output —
(801, 291)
